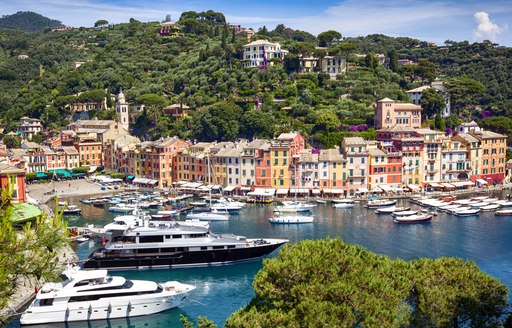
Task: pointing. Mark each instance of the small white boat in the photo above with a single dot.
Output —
(506, 204)
(404, 213)
(503, 212)
(458, 209)
(213, 215)
(381, 203)
(71, 210)
(488, 208)
(471, 211)
(464, 201)
(321, 201)
(95, 295)
(292, 219)
(481, 204)
(344, 203)
(391, 209)
(417, 218)
(122, 208)
(294, 207)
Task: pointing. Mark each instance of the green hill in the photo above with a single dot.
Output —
(202, 67)
(27, 21)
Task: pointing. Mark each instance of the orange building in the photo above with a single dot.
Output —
(493, 156)
(90, 151)
(16, 177)
(155, 161)
(263, 168)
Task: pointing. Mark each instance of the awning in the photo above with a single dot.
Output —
(64, 173)
(23, 212)
(435, 185)
(362, 189)
(315, 191)
(337, 191)
(130, 177)
(413, 187)
(262, 192)
(245, 188)
(191, 185)
(282, 191)
(92, 168)
(462, 183)
(447, 185)
(229, 188)
(40, 175)
(481, 181)
(386, 188)
(300, 191)
(152, 182)
(376, 189)
(327, 190)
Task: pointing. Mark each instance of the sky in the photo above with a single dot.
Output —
(426, 20)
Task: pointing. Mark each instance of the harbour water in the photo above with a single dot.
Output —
(485, 239)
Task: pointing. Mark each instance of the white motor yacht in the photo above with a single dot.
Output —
(291, 219)
(213, 215)
(95, 295)
(344, 203)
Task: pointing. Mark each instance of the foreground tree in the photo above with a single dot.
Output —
(28, 251)
(328, 283)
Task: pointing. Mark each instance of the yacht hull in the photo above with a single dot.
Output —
(103, 309)
(199, 258)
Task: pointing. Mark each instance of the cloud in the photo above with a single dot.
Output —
(486, 28)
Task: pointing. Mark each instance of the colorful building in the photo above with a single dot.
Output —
(356, 154)
(16, 178)
(154, 161)
(493, 146)
(90, 151)
(251, 153)
(284, 152)
(389, 113)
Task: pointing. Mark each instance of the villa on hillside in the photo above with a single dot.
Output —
(262, 53)
(331, 65)
(389, 113)
(28, 127)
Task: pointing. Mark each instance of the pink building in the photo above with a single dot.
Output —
(388, 113)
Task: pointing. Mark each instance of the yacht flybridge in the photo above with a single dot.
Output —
(95, 295)
(171, 246)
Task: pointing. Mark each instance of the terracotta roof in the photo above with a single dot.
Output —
(10, 169)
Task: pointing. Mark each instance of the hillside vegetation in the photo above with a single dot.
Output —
(27, 21)
(202, 67)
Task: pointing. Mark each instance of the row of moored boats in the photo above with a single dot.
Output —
(467, 207)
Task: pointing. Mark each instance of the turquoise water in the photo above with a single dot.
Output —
(486, 239)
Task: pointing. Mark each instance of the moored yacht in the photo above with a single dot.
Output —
(95, 295)
(177, 246)
(344, 203)
(381, 203)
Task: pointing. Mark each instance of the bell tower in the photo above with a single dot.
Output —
(122, 111)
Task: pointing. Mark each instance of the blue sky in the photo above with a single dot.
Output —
(428, 20)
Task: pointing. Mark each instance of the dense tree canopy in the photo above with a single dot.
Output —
(327, 283)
